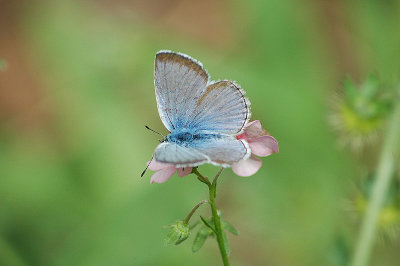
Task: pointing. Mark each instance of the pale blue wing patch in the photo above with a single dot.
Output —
(222, 109)
(168, 152)
(224, 151)
(179, 81)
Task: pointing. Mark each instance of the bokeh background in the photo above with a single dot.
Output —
(76, 89)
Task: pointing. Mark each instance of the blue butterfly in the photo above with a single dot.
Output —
(203, 116)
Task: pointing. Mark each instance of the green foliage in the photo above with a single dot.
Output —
(201, 237)
(226, 243)
(228, 227)
(208, 223)
(207, 229)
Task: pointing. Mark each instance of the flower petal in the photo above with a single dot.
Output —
(163, 175)
(155, 165)
(184, 171)
(254, 129)
(264, 146)
(247, 167)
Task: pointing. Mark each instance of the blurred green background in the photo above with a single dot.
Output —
(76, 89)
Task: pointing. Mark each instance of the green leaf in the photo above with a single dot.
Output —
(226, 243)
(228, 227)
(207, 223)
(201, 237)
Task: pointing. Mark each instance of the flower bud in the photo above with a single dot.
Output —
(359, 113)
(179, 232)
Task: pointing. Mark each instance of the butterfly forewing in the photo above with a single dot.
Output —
(179, 82)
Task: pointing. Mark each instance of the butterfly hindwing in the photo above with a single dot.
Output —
(168, 152)
(222, 108)
(220, 151)
(224, 151)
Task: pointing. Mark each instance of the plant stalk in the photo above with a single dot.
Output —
(217, 224)
(187, 219)
(212, 187)
(384, 174)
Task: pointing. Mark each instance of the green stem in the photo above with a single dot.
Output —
(216, 218)
(382, 181)
(214, 183)
(217, 224)
(201, 177)
(187, 219)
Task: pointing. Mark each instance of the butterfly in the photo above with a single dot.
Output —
(203, 117)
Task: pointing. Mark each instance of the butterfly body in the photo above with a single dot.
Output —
(191, 138)
(203, 117)
(182, 137)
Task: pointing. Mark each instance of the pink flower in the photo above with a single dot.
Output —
(165, 170)
(260, 143)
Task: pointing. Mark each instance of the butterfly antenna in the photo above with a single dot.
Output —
(147, 166)
(154, 131)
